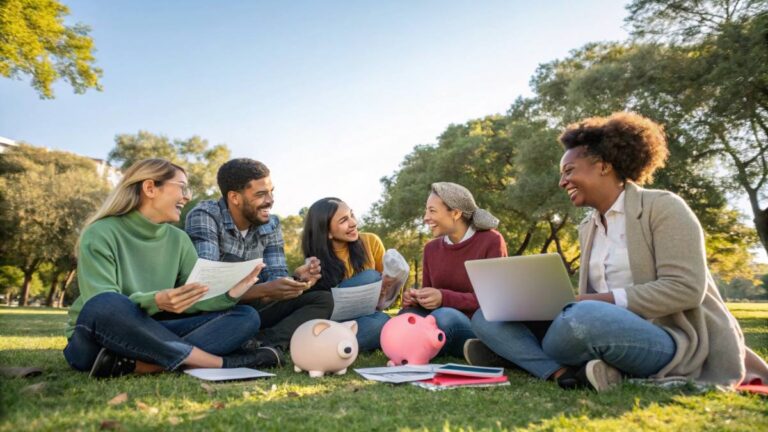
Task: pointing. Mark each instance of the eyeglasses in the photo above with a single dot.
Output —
(185, 189)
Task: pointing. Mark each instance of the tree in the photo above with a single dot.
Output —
(34, 41)
(509, 162)
(687, 20)
(45, 196)
(722, 48)
(194, 154)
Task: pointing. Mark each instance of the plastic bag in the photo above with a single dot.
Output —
(395, 276)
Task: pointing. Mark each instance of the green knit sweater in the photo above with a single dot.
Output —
(135, 257)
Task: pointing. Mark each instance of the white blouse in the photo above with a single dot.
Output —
(609, 263)
(467, 235)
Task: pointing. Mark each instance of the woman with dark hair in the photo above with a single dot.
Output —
(135, 314)
(350, 258)
(463, 232)
(647, 305)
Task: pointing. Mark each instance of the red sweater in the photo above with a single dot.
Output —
(444, 267)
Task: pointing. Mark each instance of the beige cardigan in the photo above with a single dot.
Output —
(673, 289)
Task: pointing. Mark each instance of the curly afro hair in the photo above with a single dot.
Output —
(634, 145)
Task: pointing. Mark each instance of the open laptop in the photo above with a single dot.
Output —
(521, 288)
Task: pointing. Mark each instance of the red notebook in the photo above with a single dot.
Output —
(455, 380)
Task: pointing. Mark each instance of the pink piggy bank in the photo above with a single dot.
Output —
(321, 346)
(411, 339)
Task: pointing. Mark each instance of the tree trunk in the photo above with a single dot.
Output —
(24, 299)
(52, 290)
(64, 284)
(761, 225)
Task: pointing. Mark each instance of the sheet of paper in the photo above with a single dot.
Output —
(435, 387)
(215, 374)
(220, 276)
(354, 302)
(399, 374)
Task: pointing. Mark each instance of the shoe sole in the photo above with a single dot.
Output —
(279, 362)
(466, 350)
(602, 376)
(102, 352)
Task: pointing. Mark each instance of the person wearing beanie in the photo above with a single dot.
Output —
(463, 232)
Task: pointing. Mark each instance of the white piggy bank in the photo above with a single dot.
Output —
(319, 346)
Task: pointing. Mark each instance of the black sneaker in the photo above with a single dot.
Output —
(596, 374)
(251, 345)
(111, 365)
(262, 357)
(477, 353)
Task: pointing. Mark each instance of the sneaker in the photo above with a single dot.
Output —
(596, 374)
(601, 375)
(251, 345)
(111, 365)
(477, 353)
(262, 357)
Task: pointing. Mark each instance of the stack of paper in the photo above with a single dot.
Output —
(443, 382)
(216, 374)
(399, 374)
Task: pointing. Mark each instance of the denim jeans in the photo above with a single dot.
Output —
(582, 332)
(113, 321)
(453, 323)
(368, 326)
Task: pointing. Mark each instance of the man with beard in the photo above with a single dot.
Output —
(239, 227)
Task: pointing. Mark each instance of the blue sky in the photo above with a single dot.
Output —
(330, 95)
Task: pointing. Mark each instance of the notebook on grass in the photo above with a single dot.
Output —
(443, 382)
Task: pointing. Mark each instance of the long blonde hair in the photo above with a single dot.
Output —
(127, 194)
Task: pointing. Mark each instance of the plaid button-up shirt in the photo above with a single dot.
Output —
(217, 238)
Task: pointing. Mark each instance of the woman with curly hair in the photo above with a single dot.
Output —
(647, 305)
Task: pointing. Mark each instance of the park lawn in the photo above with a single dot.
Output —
(62, 399)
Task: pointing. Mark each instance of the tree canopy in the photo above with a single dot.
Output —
(35, 42)
(194, 154)
(45, 196)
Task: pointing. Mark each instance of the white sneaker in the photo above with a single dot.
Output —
(601, 375)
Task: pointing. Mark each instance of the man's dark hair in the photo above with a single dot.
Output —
(237, 173)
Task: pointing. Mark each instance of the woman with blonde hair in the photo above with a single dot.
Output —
(134, 313)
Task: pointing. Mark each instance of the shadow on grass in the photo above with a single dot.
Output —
(32, 324)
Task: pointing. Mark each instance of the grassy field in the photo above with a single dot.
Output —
(62, 399)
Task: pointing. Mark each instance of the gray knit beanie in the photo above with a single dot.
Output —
(458, 197)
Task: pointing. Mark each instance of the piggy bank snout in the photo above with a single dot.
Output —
(439, 339)
(345, 349)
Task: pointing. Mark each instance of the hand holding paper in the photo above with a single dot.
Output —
(248, 281)
(177, 300)
(221, 277)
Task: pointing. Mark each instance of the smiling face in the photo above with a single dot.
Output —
(256, 200)
(582, 177)
(343, 225)
(164, 203)
(440, 220)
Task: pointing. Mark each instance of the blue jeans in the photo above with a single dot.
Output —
(582, 332)
(113, 321)
(453, 323)
(368, 326)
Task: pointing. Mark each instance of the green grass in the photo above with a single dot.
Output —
(68, 400)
